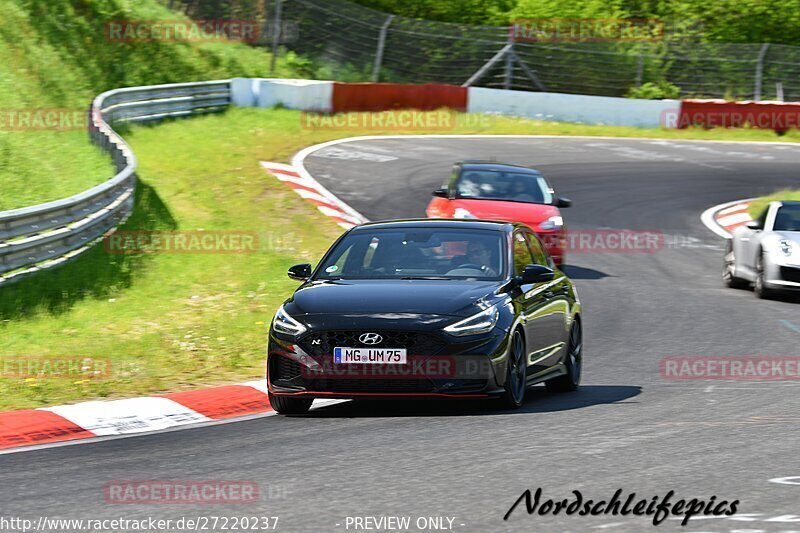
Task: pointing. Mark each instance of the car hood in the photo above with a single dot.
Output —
(789, 236)
(390, 298)
(527, 213)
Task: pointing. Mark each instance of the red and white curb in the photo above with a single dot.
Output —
(724, 218)
(21, 430)
(299, 180)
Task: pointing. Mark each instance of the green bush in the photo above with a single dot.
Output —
(654, 91)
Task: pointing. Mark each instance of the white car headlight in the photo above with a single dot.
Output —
(460, 212)
(283, 323)
(555, 222)
(480, 322)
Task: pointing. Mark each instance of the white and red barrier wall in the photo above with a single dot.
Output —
(571, 107)
(336, 97)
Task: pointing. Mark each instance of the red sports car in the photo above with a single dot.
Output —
(499, 191)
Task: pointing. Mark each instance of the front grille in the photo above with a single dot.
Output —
(790, 274)
(370, 385)
(323, 343)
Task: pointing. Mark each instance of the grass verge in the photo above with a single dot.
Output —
(175, 321)
(758, 205)
(55, 56)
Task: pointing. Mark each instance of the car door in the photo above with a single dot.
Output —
(531, 302)
(556, 312)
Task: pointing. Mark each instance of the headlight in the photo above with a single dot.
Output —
(555, 222)
(478, 323)
(460, 212)
(283, 323)
(787, 247)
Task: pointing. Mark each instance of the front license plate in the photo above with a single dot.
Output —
(370, 356)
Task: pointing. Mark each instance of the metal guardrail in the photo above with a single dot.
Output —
(42, 236)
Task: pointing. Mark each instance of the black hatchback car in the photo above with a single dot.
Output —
(436, 308)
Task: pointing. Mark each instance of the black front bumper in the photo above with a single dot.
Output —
(437, 366)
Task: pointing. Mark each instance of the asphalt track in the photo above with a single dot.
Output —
(627, 428)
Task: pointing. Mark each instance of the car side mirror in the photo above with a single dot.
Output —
(563, 202)
(753, 224)
(441, 193)
(536, 274)
(300, 272)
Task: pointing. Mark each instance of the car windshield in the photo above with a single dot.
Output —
(787, 218)
(417, 253)
(503, 185)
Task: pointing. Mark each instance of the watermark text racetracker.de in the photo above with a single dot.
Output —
(144, 524)
(164, 492)
(608, 241)
(212, 30)
(731, 368)
(181, 242)
(43, 119)
(54, 367)
(207, 30)
(761, 116)
(658, 507)
(404, 119)
(586, 29)
(622, 241)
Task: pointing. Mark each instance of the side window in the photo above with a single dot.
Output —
(522, 254)
(540, 256)
(469, 185)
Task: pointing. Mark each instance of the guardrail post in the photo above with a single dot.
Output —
(376, 67)
(276, 34)
(508, 81)
(488, 66)
(760, 71)
(640, 66)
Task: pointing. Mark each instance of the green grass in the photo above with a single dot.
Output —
(758, 205)
(32, 172)
(172, 321)
(54, 54)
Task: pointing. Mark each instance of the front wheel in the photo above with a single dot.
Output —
(574, 363)
(516, 374)
(286, 405)
(759, 288)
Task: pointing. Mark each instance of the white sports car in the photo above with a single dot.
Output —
(766, 252)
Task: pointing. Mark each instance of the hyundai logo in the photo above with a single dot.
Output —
(370, 338)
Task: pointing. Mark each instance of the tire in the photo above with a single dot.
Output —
(574, 362)
(290, 406)
(728, 268)
(758, 287)
(516, 374)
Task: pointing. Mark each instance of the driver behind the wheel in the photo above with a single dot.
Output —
(479, 254)
(520, 191)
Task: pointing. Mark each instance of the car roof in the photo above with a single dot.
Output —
(496, 166)
(433, 223)
(793, 203)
